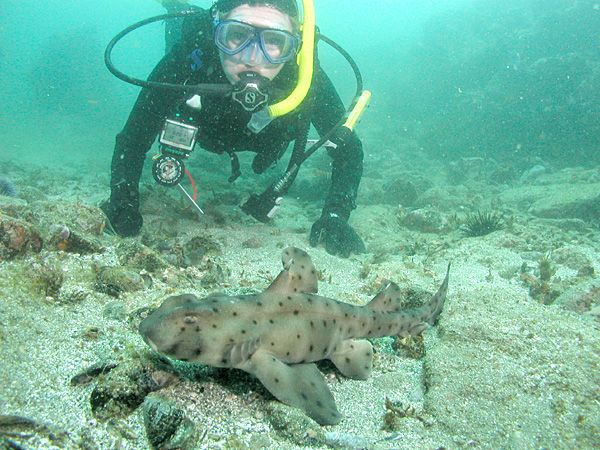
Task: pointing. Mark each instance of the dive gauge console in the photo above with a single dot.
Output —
(177, 140)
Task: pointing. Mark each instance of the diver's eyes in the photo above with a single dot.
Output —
(275, 43)
(237, 35)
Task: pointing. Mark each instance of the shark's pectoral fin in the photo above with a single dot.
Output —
(354, 358)
(300, 385)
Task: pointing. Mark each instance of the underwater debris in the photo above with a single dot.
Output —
(7, 187)
(64, 239)
(482, 223)
(88, 375)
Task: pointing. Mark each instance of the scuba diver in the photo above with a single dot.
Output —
(253, 46)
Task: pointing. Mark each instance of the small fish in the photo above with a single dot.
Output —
(279, 334)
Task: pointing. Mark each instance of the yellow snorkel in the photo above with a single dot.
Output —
(305, 64)
(305, 60)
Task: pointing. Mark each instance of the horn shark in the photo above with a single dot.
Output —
(279, 334)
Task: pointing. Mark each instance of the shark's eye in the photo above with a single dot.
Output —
(190, 319)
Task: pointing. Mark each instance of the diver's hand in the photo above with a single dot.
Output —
(337, 236)
(124, 220)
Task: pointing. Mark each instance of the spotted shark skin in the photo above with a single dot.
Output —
(279, 334)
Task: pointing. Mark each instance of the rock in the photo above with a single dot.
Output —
(571, 256)
(292, 424)
(581, 298)
(424, 220)
(577, 225)
(73, 293)
(532, 173)
(78, 217)
(115, 280)
(15, 207)
(400, 192)
(166, 424)
(125, 387)
(252, 242)
(134, 254)
(556, 200)
(17, 238)
(197, 247)
(471, 168)
(345, 440)
(115, 311)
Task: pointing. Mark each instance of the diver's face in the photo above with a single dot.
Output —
(250, 58)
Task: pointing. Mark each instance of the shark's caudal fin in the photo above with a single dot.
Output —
(298, 276)
(432, 310)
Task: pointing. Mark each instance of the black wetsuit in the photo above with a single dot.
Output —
(223, 125)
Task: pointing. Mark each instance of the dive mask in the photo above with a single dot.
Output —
(277, 46)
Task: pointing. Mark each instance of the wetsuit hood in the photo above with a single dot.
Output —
(288, 7)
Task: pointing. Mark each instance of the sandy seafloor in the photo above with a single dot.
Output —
(500, 370)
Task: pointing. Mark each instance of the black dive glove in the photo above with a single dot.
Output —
(122, 210)
(337, 236)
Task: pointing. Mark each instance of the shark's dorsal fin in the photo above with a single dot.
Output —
(178, 300)
(387, 300)
(298, 276)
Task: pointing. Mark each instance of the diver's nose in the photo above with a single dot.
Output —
(252, 54)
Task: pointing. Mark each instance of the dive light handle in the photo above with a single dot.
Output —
(264, 206)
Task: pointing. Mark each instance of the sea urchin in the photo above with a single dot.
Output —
(7, 187)
(482, 223)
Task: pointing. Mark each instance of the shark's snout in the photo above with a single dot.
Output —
(150, 330)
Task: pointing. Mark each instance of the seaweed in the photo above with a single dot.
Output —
(546, 268)
(395, 412)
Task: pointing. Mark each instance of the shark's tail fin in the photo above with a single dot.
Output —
(432, 310)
